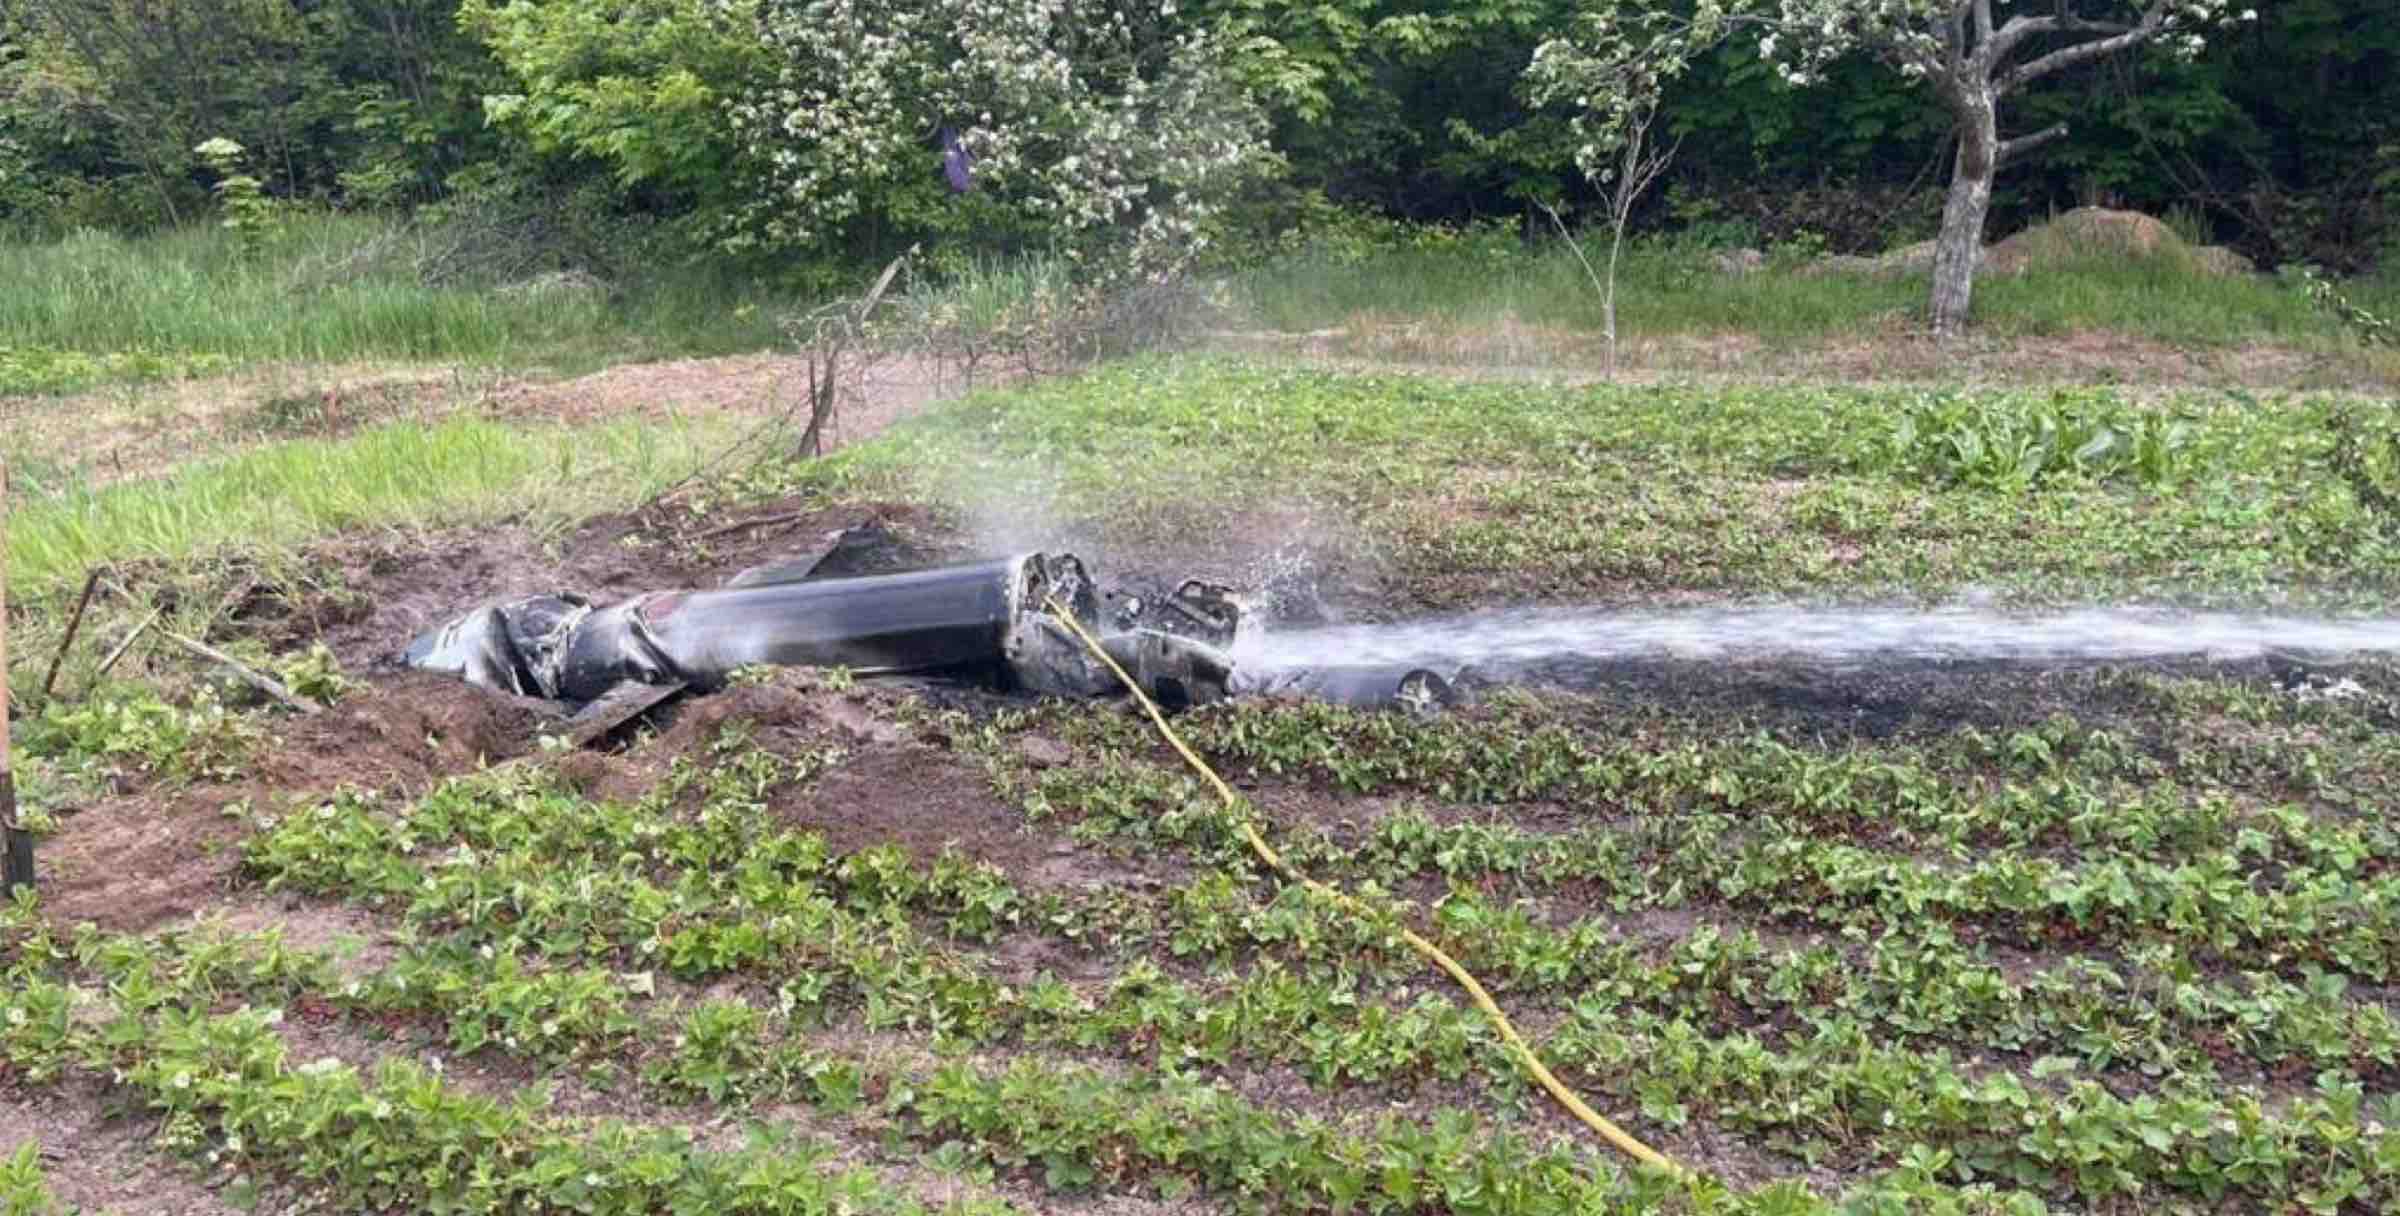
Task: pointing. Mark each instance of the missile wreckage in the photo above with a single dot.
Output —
(997, 623)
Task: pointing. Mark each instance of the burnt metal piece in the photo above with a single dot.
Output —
(868, 548)
(991, 616)
(997, 620)
(616, 707)
(510, 645)
(1417, 689)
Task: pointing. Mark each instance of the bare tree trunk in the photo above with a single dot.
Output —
(1608, 302)
(1960, 245)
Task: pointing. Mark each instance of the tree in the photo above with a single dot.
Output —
(1973, 55)
(1407, 105)
(1638, 164)
(326, 95)
(163, 75)
(638, 86)
(1107, 128)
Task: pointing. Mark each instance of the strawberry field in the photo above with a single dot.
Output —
(2106, 937)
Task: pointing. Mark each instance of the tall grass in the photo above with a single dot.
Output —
(1665, 290)
(338, 288)
(96, 307)
(1658, 291)
(459, 471)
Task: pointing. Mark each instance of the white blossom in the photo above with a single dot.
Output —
(1136, 164)
(1614, 59)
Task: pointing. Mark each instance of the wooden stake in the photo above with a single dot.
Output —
(16, 868)
(91, 583)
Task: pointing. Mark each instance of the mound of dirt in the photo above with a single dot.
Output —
(2083, 233)
(390, 588)
(161, 851)
(892, 785)
(2089, 232)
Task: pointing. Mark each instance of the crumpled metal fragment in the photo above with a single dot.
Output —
(992, 620)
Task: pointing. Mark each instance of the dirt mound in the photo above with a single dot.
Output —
(159, 852)
(390, 588)
(2222, 262)
(926, 799)
(401, 734)
(918, 797)
(893, 785)
(2081, 234)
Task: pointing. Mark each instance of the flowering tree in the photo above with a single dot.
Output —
(1106, 123)
(1972, 53)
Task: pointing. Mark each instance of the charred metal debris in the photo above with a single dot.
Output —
(988, 623)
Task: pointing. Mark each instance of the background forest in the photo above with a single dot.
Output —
(800, 140)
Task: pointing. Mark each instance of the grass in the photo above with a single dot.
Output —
(334, 288)
(96, 308)
(459, 471)
(1663, 290)
(1478, 491)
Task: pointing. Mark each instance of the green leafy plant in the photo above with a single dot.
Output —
(2017, 445)
(2370, 328)
(202, 740)
(23, 1190)
(315, 674)
(37, 369)
(249, 214)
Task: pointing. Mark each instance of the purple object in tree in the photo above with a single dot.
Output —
(956, 164)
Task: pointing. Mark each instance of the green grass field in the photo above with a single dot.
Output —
(273, 497)
(1483, 490)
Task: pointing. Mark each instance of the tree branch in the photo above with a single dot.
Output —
(2011, 149)
(2008, 37)
(2121, 37)
(1983, 22)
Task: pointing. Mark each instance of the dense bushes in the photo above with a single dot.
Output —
(2284, 139)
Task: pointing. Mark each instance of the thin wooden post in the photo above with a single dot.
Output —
(16, 866)
(91, 583)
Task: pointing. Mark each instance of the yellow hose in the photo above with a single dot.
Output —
(1483, 1000)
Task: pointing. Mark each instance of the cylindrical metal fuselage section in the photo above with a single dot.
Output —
(918, 621)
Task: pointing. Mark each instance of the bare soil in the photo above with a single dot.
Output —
(98, 1159)
(162, 851)
(1886, 353)
(128, 431)
(124, 431)
(872, 396)
(927, 801)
